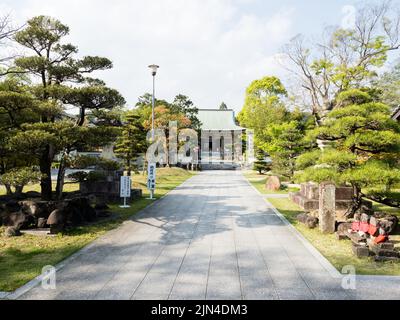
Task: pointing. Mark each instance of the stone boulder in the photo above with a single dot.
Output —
(273, 183)
(42, 222)
(12, 232)
(57, 220)
(80, 210)
(310, 221)
(343, 227)
(14, 219)
(387, 222)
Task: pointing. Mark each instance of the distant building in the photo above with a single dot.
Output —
(396, 114)
(220, 146)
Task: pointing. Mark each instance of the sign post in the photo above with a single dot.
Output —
(125, 190)
(151, 179)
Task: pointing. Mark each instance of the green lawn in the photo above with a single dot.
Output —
(22, 258)
(259, 181)
(339, 253)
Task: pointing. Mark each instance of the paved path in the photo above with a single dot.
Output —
(214, 237)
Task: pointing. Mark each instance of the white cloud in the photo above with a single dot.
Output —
(207, 49)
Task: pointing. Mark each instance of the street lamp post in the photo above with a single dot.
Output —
(153, 69)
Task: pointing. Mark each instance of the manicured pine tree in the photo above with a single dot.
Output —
(365, 146)
(132, 141)
(55, 70)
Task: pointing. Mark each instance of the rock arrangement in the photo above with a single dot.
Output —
(370, 236)
(28, 214)
(308, 198)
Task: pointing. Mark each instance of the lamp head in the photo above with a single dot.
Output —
(153, 69)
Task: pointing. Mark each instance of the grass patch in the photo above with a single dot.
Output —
(259, 181)
(339, 253)
(22, 258)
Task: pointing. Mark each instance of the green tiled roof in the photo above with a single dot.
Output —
(214, 119)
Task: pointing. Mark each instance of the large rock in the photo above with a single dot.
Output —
(81, 210)
(343, 227)
(273, 183)
(360, 251)
(387, 222)
(15, 219)
(12, 232)
(31, 208)
(310, 221)
(57, 220)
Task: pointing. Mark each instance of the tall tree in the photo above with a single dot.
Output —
(388, 86)
(183, 105)
(344, 58)
(54, 65)
(263, 106)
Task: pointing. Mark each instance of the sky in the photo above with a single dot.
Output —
(209, 50)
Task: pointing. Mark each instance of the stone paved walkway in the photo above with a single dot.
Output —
(214, 237)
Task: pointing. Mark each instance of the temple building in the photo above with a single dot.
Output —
(221, 140)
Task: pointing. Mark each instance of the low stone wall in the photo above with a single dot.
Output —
(308, 198)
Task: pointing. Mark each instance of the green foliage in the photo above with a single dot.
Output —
(108, 165)
(263, 107)
(132, 141)
(372, 173)
(388, 86)
(318, 174)
(183, 105)
(81, 176)
(285, 144)
(83, 162)
(308, 159)
(20, 177)
(261, 165)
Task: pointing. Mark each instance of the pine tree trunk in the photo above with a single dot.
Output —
(18, 190)
(45, 170)
(128, 163)
(8, 189)
(61, 178)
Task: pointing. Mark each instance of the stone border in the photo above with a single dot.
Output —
(13, 295)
